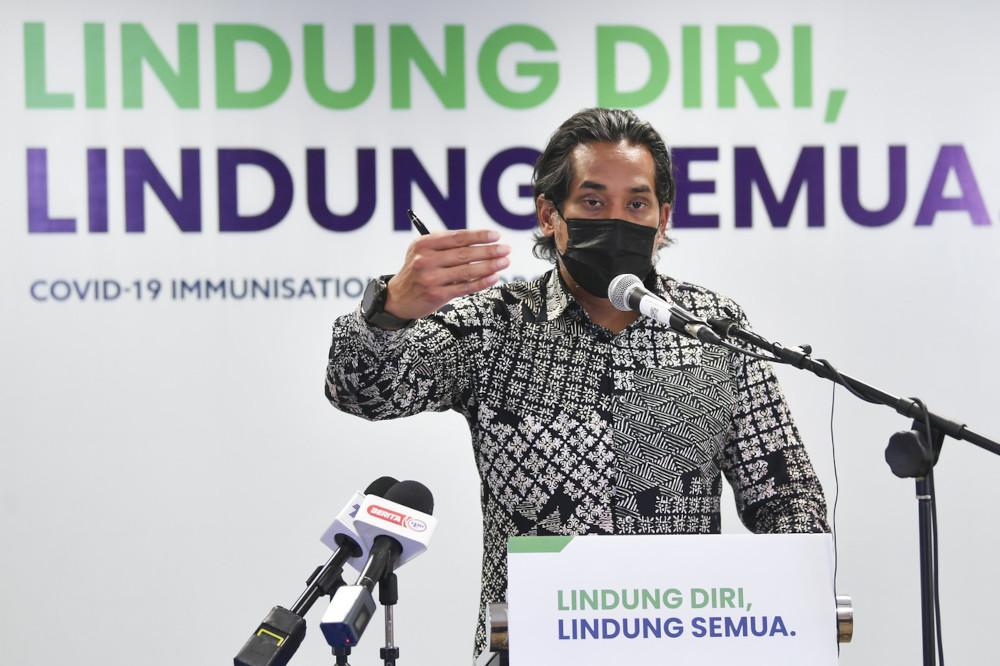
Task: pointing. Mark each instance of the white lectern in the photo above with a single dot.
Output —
(705, 599)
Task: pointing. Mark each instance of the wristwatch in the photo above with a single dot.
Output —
(373, 305)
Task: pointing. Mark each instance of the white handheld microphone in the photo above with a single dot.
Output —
(404, 514)
(342, 532)
(627, 292)
(398, 528)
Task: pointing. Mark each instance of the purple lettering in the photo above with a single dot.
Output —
(97, 190)
(683, 218)
(808, 173)
(952, 158)
(850, 184)
(316, 191)
(184, 209)
(39, 221)
(408, 171)
(489, 188)
(229, 162)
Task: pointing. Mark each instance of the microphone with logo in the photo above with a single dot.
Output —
(399, 527)
(627, 292)
(280, 634)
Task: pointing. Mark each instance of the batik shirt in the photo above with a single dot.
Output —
(577, 430)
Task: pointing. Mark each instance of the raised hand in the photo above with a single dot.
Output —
(442, 266)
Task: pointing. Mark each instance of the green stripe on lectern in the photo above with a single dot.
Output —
(538, 544)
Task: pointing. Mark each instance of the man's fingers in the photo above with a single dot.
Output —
(446, 240)
(467, 255)
(475, 271)
(472, 286)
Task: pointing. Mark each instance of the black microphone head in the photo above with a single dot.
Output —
(620, 288)
(412, 494)
(380, 486)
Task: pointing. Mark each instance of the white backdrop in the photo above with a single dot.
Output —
(168, 464)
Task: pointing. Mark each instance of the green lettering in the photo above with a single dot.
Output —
(650, 599)
(138, 47)
(691, 43)
(752, 73)
(608, 38)
(802, 64)
(36, 94)
(547, 72)
(95, 66)
(226, 94)
(364, 68)
(448, 84)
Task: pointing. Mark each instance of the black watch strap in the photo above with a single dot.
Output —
(373, 305)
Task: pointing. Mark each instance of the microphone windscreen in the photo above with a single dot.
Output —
(412, 494)
(380, 486)
(619, 289)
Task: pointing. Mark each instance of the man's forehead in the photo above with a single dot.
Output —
(593, 163)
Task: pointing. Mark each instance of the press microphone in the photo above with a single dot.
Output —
(627, 293)
(280, 634)
(342, 533)
(399, 527)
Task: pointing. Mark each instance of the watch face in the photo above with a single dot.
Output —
(374, 289)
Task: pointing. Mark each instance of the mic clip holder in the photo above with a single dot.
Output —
(275, 641)
(280, 634)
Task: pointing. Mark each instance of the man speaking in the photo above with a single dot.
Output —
(585, 419)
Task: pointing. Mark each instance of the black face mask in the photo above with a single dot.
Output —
(598, 251)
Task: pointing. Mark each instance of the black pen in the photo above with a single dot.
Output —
(417, 223)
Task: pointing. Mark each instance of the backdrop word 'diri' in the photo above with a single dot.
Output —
(192, 191)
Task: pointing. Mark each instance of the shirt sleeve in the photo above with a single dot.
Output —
(776, 488)
(379, 374)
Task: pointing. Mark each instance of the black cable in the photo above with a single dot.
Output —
(937, 588)
(746, 352)
(843, 382)
(836, 495)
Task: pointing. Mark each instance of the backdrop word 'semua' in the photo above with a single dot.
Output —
(192, 191)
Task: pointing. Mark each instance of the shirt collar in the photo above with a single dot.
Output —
(558, 301)
(556, 294)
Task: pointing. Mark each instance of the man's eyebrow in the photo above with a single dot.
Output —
(594, 185)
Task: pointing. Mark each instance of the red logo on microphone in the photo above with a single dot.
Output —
(385, 514)
(390, 516)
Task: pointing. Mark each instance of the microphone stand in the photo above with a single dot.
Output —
(388, 595)
(910, 454)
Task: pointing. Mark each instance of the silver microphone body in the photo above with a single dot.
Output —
(628, 293)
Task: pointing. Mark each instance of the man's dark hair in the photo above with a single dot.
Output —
(554, 169)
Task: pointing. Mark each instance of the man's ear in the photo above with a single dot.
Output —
(661, 227)
(546, 212)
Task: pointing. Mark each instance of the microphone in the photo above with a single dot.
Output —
(280, 634)
(399, 527)
(627, 292)
(342, 533)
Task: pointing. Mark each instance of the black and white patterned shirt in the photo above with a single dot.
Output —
(577, 430)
